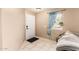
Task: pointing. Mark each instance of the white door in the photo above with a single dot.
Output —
(30, 26)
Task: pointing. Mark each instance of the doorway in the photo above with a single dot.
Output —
(30, 26)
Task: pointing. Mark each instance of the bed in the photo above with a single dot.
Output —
(68, 42)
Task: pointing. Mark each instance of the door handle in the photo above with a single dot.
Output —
(27, 27)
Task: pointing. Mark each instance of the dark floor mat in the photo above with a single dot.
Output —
(32, 39)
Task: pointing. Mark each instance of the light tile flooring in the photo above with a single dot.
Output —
(42, 44)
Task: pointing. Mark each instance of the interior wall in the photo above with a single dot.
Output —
(71, 19)
(12, 28)
(29, 12)
(42, 24)
(0, 32)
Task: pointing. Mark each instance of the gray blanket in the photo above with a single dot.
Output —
(69, 42)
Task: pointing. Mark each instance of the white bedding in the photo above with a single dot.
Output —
(68, 39)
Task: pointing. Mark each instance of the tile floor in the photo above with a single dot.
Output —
(42, 44)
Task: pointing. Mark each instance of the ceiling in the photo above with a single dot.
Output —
(38, 10)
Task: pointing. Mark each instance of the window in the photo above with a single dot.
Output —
(58, 21)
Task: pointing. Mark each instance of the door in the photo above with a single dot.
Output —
(30, 26)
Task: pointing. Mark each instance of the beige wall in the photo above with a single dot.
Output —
(12, 28)
(71, 19)
(29, 12)
(42, 24)
(0, 32)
